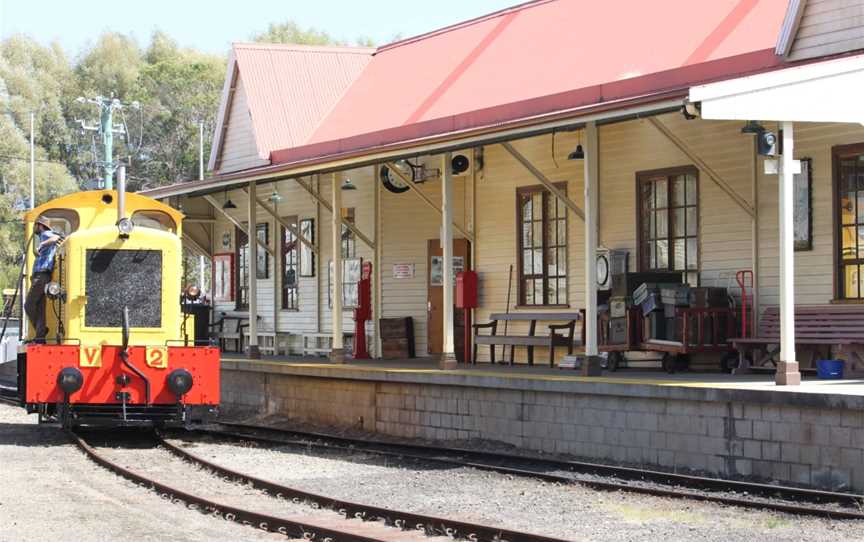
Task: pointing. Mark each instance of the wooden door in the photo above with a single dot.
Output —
(434, 304)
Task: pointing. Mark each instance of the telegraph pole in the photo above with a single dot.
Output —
(32, 160)
(106, 129)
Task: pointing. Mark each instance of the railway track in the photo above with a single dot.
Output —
(398, 526)
(786, 499)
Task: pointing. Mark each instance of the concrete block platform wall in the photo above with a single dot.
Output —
(816, 446)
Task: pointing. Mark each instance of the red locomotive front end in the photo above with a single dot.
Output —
(156, 384)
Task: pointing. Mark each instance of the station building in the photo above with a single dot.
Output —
(517, 145)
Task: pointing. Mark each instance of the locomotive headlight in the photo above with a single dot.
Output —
(53, 290)
(70, 380)
(125, 225)
(180, 382)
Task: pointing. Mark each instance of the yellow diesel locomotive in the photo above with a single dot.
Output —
(115, 347)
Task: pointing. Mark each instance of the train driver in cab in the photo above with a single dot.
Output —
(46, 241)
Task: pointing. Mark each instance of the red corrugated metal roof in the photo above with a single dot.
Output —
(541, 53)
(291, 88)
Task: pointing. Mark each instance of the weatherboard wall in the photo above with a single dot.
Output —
(626, 148)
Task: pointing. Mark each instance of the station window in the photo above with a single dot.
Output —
(542, 250)
(290, 266)
(849, 210)
(668, 221)
(157, 220)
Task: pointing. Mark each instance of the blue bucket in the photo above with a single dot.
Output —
(829, 369)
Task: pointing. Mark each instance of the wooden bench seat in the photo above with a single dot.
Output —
(230, 326)
(551, 340)
(816, 327)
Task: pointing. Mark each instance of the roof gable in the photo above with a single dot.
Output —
(816, 29)
(285, 90)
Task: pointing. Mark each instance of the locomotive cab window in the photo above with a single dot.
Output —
(157, 220)
(63, 221)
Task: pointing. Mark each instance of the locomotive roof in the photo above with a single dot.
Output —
(95, 199)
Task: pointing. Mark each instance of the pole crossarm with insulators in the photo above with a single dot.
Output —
(107, 129)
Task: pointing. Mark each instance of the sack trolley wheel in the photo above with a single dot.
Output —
(669, 361)
(728, 362)
(614, 361)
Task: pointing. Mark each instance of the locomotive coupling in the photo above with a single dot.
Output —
(70, 380)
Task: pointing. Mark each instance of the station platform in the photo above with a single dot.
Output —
(708, 423)
(687, 385)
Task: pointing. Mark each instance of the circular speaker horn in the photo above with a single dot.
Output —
(459, 164)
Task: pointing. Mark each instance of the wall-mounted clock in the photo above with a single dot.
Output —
(392, 182)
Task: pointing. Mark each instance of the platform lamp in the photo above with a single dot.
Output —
(348, 185)
(228, 203)
(275, 197)
(579, 152)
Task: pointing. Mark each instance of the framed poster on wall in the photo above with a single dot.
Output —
(223, 277)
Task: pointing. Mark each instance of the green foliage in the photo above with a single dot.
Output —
(176, 87)
(291, 32)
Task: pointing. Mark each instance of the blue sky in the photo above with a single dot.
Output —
(212, 25)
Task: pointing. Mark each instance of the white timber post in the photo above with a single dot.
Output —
(448, 354)
(787, 370)
(377, 271)
(591, 364)
(254, 353)
(337, 352)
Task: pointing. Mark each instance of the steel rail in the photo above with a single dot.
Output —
(288, 527)
(492, 461)
(433, 526)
